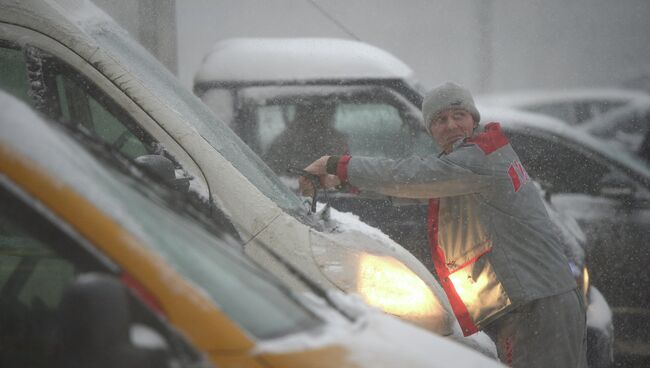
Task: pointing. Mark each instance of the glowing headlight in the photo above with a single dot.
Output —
(389, 285)
(386, 276)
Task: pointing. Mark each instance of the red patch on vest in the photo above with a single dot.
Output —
(490, 140)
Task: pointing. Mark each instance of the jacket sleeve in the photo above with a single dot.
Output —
(466, 170)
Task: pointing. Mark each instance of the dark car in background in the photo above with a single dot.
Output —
(375, 111)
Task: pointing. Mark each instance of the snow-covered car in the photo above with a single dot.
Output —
(100, 270)
(573, 106)
(627, 127)
(370, 98)
(77, 67)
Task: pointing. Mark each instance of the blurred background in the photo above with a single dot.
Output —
(487, 45)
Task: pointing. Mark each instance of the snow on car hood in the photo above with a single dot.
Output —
(377, 340)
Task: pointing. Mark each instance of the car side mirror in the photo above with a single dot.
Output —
(95, 327)
(162, 168)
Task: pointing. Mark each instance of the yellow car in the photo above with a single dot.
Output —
(67, 215)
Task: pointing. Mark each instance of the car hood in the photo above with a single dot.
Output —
(341, 253)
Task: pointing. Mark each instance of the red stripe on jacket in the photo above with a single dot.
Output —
(439, 261)
(490, 140)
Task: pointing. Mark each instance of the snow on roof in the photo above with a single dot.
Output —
(264, 59)
(537, 97)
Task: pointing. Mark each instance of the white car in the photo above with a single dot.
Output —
(72, 63)
(573, 106)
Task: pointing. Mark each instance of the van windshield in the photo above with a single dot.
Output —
(179, 99)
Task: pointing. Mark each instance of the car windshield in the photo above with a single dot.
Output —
(214, 131)
(250, 297)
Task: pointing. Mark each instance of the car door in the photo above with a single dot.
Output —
(614, 210)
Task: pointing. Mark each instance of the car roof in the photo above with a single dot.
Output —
(536, 97)
(545, 126)
(293, 59)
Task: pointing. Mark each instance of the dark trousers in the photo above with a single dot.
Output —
(547, 332)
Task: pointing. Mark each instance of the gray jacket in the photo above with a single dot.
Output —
(493, 245)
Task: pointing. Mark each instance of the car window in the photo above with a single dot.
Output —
(80, 102)
(67, 96)
(557, 166)
(298, 131)
(13, 73)
(40, 257)
(33, 277)
(271, 121)
(374, 129)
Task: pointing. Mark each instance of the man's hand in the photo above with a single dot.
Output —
(318, 167)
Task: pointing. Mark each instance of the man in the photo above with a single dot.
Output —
(308, 136)
(494, 248)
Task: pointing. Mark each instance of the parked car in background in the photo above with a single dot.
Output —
(77, 67)
(627, 127)
(573, 106)
(97, 267)
(376, 109)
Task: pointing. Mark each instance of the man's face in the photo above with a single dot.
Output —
(451, 125)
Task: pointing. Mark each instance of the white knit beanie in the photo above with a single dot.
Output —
(447, 96)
